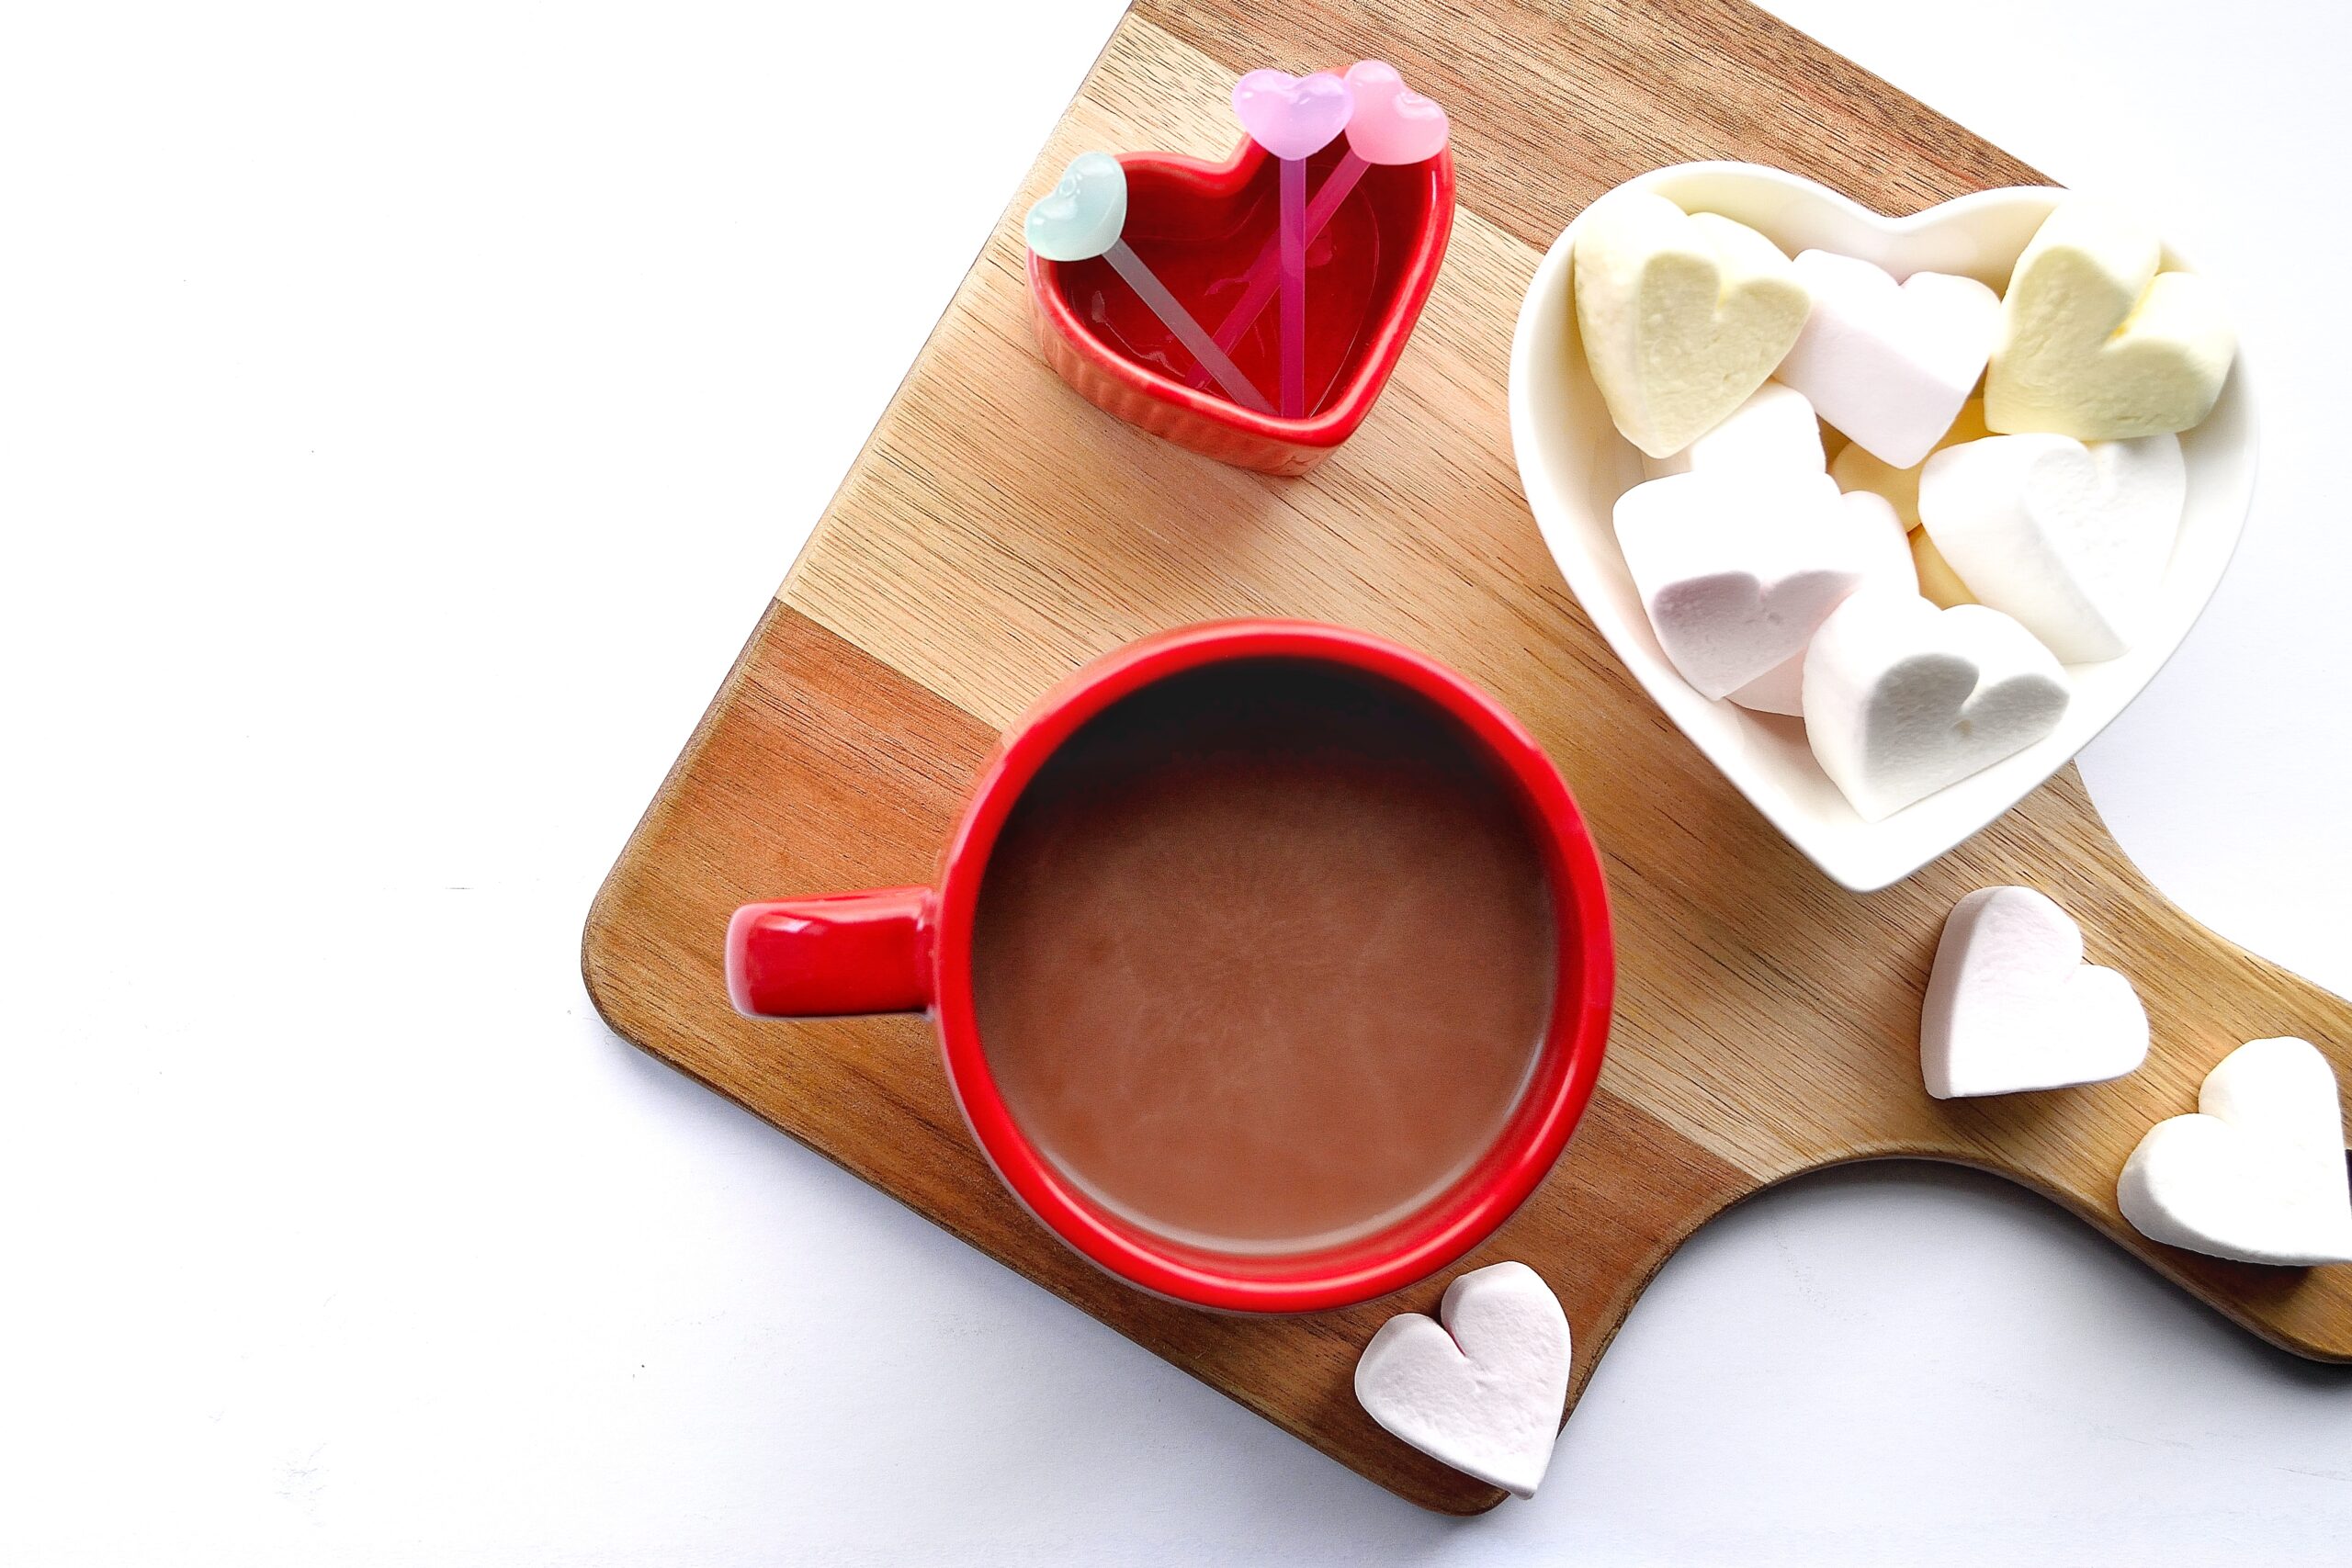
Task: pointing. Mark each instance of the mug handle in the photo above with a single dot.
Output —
(833, 955)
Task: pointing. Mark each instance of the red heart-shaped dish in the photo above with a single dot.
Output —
(1201, 227)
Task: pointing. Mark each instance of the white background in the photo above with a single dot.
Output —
(404, 413)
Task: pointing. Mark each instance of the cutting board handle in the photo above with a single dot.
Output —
(2205, 995)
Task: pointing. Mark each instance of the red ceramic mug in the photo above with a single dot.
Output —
(909, 949)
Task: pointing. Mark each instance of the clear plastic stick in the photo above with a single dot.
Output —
(1294, 271)
(1189, 331)
(1264, 275)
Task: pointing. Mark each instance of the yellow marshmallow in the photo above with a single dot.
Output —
(1683, 315)
(2098, 344)
(1856, 470)
(1937, 582)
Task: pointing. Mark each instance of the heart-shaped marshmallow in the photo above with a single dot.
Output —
(2071, 540)
(1683, 315)
(2258, 1174)
(1855, 469)
(1886, 560)
(1901, 698)
(1081, 217)
(1775, 429)
(1292, 117)
(2096, 341)
(1939, 585)
(1484, 1392)
(2011, 1005)
(1889, 364)
(1392, 124)
(1736, 569)
(1776, 433)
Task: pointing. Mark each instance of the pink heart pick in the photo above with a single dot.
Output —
(1289, 116)
(1392, 124)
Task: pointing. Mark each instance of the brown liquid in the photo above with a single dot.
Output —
(1263, 955)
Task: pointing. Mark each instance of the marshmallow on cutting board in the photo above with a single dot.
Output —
(2011, 1005)
(2097, 342)
(1901, 698)
(2072, 539)
(1736, 569)
(1682, 314)
(2257, 1173)
(1775, 430)
(1889, 364)
(1887, 562)
(1484, 1392)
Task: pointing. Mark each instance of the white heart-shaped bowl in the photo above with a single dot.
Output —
(1574, 465)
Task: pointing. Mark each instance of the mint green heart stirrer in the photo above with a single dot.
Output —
(1082, 219)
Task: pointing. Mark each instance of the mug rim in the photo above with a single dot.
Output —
(1515, 1162)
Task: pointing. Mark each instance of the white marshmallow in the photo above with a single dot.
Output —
(1737, 569)
(2257, 1173)
(1682, 315)
(1483, 1394)
(1887, 562)
(2012, 1007)
(2071, 540)
(1775, 429)
(1890, 363)
(1901, 698)
(2096, 341)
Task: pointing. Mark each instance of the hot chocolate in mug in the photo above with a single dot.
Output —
(1272, 962)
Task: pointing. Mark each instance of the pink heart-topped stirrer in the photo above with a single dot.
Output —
(1293, 117)
(1391, 125)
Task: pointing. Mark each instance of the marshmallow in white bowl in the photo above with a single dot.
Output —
(1481, 1386)
(2070, 538)
(1855, 469)
(2257, 1174)
(1889, 364)
(2012, 1007)
(1682, 315)
(1573, 464)
(1939, 585)
(1886, 557)
(1901, 698)
(1774, 430)
(1736, 569)
(2099, 339)
(1776, 434)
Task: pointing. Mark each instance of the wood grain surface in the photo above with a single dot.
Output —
(997, 531)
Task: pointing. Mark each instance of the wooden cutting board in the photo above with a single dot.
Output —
(997, 531)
